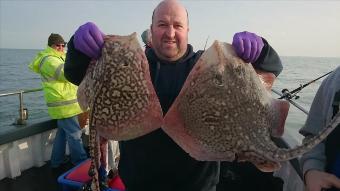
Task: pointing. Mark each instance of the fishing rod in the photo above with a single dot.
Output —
(206, 41)
(288, 95)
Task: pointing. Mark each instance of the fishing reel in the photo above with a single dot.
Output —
(288, 95)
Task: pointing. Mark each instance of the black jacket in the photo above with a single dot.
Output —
(154, 161)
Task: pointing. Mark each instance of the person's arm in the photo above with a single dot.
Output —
(51, 68)
(255, 50)
(76, 64)
(85, 45)
(316, 120)
(268, 60)
(313, 162)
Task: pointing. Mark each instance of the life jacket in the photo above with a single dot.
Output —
(332, 149)
(60, 94)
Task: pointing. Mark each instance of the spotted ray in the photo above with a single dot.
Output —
(225, 113)
(117, 90)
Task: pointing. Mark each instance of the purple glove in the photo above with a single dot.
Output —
(248, 46)
(89, 40)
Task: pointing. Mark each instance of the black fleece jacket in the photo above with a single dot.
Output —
(154, 161)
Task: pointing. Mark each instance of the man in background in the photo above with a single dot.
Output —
(146, 37)
(61, 99)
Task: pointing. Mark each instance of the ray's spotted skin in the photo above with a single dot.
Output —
(225, 112)
(117, 90)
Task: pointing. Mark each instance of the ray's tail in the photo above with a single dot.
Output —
(94, 150)
(307, 144)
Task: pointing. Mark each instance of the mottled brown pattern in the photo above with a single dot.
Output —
(225, 113)
(118, 92)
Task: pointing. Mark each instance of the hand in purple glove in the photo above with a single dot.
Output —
(248, 46)
(89, 40)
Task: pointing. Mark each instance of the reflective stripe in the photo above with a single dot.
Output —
(44, 79)
(62, 103)
(57, 72)
(42, 62)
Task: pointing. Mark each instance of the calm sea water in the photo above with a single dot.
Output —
(299, 71)
(15, 75)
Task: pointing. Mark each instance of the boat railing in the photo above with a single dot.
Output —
(23, 113)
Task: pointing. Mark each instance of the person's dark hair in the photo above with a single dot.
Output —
(55, 39)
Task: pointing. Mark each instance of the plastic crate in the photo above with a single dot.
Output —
(76, 177)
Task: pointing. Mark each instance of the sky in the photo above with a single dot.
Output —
(292, 28)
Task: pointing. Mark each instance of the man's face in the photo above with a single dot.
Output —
(58, 47)
(170, 32)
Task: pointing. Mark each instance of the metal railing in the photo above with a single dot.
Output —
(23, 113)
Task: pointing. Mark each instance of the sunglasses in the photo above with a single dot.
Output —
(60, 45)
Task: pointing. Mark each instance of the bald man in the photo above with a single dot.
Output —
(154, 161)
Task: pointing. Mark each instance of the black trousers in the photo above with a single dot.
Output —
(245, 176)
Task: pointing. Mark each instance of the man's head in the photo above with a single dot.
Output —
(56, 42)
(146, 37)
(169, 29)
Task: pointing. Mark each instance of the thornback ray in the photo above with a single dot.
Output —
(118, 92)
(225, 112)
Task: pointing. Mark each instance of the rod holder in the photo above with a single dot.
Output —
(23, 113)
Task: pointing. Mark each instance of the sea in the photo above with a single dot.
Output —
(16, 76)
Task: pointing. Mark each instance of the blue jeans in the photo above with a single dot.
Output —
(68, 131)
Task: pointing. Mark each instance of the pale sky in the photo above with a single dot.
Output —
(293, 28)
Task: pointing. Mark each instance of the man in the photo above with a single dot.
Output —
(61, 99)
(146, 37)
(321, 165)
(154, 161)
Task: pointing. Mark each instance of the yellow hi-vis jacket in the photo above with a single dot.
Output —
(60, 94)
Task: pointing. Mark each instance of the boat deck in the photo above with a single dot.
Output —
(41, 178)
